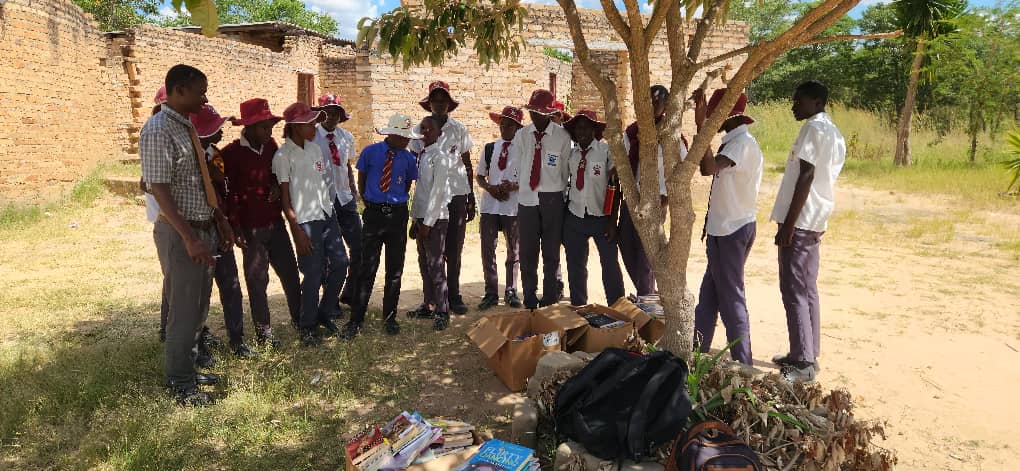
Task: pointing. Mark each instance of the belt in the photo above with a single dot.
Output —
(386, 208)
(200, 225)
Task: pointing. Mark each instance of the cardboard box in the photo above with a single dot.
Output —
(514, 360)
(596, 339)
(649, 328)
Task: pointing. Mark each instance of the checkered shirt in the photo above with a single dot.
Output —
(168, 156)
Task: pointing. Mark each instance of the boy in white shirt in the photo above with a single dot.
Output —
(308, 207)
(803, 206)
(431, 218)
(729, 226)
(540, 153)
(591, 173)
(497, 175)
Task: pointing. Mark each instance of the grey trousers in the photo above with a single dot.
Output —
(798, 283)
(633, 254)
(576, 232)
(541, 228)
(432, 264)
(226, 279)
(722, 292)
(187, 286)
(350, 229)
(490, 226)
(455, 242)
(267, 246)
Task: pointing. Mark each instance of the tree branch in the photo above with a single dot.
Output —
(659, 12)
(615, 19)
(704, 27)
(822, 40)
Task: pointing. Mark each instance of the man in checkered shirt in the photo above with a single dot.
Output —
(186, 229)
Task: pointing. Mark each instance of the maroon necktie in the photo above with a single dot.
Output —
(387, 171)
(334, 152)
(536, 162)
(581, 166)
(503, 155)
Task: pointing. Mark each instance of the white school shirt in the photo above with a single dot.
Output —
(553, 166)
(304, 170)
(495, 176)
(590, 200)
(820, 144)
(660, 167)
(433, 190)
(454, 140)
(337, 176)
(151, 207)
(734, 198)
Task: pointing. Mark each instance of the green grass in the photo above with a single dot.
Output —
(84, 193)
(940, 165)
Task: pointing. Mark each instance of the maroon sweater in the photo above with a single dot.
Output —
(250, 180)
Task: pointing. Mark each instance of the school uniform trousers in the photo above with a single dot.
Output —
(798, 284)
(384, 226)
(349, 220)
(231, 299)
(455, 242)
(327, 250)
(490, 226)
(541, 229)
(432, 262)
(632, 251)
(722, 292)
(270, 246)
(576, 232)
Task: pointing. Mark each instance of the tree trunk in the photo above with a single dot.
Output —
(907, 114)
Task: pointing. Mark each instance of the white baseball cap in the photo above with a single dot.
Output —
(399, 125)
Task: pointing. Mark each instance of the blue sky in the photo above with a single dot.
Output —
(348, 12)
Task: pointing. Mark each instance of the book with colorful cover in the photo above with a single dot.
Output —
(497, 455)
(451, 425)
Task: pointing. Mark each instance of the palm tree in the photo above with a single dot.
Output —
(922, 21)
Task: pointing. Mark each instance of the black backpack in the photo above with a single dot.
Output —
(712, 446)
(624, 405)
(488, 155)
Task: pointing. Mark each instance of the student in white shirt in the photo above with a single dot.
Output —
(497, 175)
(592, 173)
(729, 226)
(455, 140)
(540, 153)
(308, 207)
(430, 215)
(338, 151)
(803, 206)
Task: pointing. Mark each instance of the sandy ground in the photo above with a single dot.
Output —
(920, 317)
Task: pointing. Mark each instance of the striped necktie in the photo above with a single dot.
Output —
(387, 171)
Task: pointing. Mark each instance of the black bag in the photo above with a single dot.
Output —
(624, 405)
(711, 446)
(488, 155)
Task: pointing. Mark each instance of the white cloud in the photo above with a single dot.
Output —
(347, 12)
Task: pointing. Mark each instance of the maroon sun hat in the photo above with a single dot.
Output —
(208, 121)
(512, 113)
(330, 99)
(600, 126)
(255, 111)
(541, 102)
(738, 107)
(561, 110)
(439, 85)
(301, 113)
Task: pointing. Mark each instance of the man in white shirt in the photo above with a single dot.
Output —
(540, 153)
(337, 146)
(497, 175)
(592, 173)
(455, 140)
(803, 206)
(431, 217)
(730, 228)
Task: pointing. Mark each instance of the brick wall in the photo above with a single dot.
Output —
(63, 104)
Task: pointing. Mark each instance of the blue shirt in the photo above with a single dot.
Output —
(405, 169)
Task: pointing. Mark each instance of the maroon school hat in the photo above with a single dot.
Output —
(600, 126)
(208, 121)
(541, 102)
(738, 107)
(443, 86)
(512, 113)
(330, 99)
(255, 111)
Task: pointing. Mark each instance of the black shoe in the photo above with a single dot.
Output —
(268, 339)
(242, 351)
(392, 327)
(310, 337)
(799, 372)
(205, 360)
(423, 312)
(512, 300)
(331, 329)
(209, 339)
(350, 331)
(162, 336)
(192, 396)
(546, 302)
(488, 301)
(457, 305)
(207, 379)
(441, 322)
(337, 313)
(784, 360)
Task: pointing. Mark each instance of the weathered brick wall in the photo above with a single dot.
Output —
(236, 71)
(63, 105)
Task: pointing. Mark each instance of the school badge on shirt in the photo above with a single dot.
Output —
(551, 160)
(596, 170)
(318, 166)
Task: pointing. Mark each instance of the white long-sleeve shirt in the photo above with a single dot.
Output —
(552, 165)
(433, 190)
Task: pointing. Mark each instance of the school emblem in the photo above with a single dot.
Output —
(551, 160)
(318, 166)
(453, 150)
(400, 179)
(596, 170)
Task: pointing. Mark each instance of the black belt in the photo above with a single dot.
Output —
(200, 225)
(386, 208)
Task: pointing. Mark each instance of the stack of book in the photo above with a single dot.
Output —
(369, 450)
(409, 435)
(651, 305)
(456, 436)
(497, 455)
(407, 440)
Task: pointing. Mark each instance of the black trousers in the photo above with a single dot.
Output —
(383, 226)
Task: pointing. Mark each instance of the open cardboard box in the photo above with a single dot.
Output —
(443, 463)
(514, 361)
(649, 328)
(597, 339)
